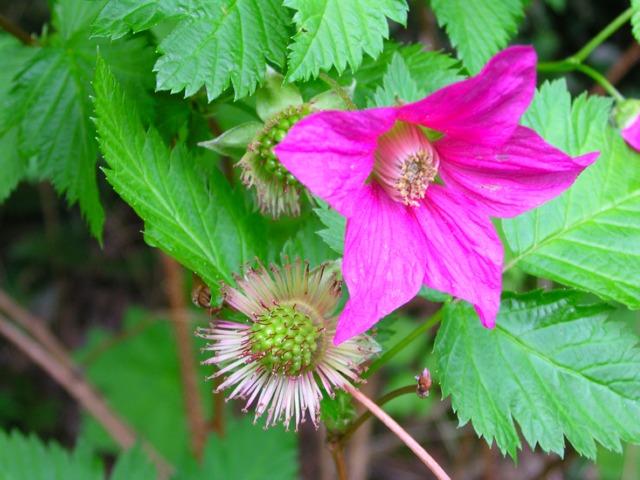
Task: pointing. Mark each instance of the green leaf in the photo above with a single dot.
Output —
(398, 86)
(133, 465)
(227, 43)
(306, 244)
(118, 17)
(139, 375)
(197, 220)
(589, 237)
(51, 105)
(555, 367)
(552, 365)
(14, 56)
(336, 225)
(272, 454)
(429, 70)
(27, 457)
(334, 33)
(478, 28)
(635, 19)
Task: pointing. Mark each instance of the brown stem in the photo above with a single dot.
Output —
(337, 453)
(620, 68)
(36, 328)
(16, 31)
(74, 383)
(174, 278)
(399, 431)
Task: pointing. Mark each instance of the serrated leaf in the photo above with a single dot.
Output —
(398, 86)
(51, 105)
(336, 225)
(273, 454)
(333, 33)
(228, 43)
(430, 71)
(133, 465)
(478, 28)
(27, 457)
(14, 57)
(306, 244)
(589, 237)
(557, 368)
(197, 220)
(118, 17)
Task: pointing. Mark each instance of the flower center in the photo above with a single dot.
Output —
(284, 340)
(405, 163)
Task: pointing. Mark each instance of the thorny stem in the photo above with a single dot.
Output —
(339, 90)
(180, 321)
(353, 427)
(574, 62)
(74, 383)
(16, 31)
(399, 431)
(398, 347)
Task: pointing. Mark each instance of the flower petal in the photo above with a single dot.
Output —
(383, 264)
(465, 255)
(631, 134)
(484, 109)
(332, 152)
(513, 178)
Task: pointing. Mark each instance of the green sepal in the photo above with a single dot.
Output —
(233, 142)
(626, 112)
(275, 95)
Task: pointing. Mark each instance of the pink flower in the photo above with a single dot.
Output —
(627, 116)
(631, 134)
(405, 225)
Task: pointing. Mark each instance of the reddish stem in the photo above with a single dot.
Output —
(399, 431)
(174, 279)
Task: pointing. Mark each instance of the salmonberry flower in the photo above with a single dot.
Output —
(284, 359)
(418, 182)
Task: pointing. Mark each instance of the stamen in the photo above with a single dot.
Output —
(405, 163)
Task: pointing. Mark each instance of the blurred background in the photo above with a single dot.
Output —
(115, 310)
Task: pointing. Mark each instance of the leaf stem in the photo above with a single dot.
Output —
(339, 90)
(402, 434)
(609, 30)
(398, 347)
(357, 423)
(572, 64)
(575, 62)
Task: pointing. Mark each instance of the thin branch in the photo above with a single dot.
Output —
(36, 328)
(79, 389)
(353, 427)
(174, 279)
(16, 31)
(399, 431)
(337, 453)
(620, 68)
